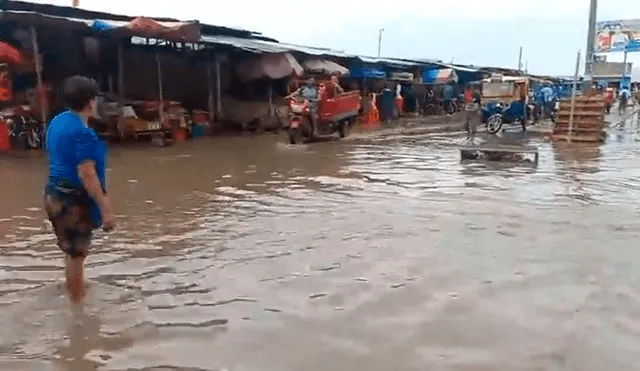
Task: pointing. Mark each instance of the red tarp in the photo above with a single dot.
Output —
(175, 31)
(9, 54)
(146, 27)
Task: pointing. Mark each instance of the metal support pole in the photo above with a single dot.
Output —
(120, 124)
(41, 92)
(380, 31)
(591, 38)
(520, 60)
(573, 97)
(160, 88)
(218, 90)
(210, 101)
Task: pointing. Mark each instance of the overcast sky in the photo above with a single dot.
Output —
(480, 32)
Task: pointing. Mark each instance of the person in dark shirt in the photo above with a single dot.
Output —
(75, 196)
(447, 97)
(472, 109)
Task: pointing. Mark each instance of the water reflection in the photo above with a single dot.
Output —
(377, 254)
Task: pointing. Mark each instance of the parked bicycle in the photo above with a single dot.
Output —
(24, 131)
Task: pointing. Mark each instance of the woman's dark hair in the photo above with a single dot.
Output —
(79, 91)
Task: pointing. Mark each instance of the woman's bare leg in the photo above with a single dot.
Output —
(74, 275)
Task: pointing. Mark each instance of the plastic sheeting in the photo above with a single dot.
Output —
(9, 54)
(147, 27)
(325, 67)
(366, 73)
(271, 66)
(439, 76)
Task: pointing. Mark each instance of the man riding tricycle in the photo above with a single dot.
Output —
(505, 100)
(319, 109)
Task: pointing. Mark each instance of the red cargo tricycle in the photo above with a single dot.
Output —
(335, 114)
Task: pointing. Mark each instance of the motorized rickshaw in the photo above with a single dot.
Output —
(505, 99)
(336, 113)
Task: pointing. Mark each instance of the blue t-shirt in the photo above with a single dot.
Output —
(69, 142)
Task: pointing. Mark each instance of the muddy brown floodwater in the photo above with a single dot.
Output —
(376, 253)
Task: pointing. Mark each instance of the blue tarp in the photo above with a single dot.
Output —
(366, 73)
(438, 75)
(100, 25)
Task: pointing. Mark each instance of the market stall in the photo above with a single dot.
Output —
(23, 107)
(158, 118)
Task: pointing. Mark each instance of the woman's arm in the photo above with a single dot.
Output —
(90, 181)
(86, 150)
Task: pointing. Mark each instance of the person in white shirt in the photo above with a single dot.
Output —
(620, 39)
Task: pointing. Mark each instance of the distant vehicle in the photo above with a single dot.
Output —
(505, 100)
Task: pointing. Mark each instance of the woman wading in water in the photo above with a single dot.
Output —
(75, 196)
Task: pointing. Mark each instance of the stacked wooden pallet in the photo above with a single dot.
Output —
(588, 120)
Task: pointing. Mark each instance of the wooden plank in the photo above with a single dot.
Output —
(587, 98)
(581, 124)
(583, 104)
(592, 138)
(567, 107)
(579, 130)
(586, 121)
(507, 148)
(495, 152)
(584, 127)
(581, 113)
(580, 118)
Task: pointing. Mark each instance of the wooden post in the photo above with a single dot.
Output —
(270, 94)
(121, 92)
(218, 91)
(160, 90)
(573, 97)
(210, 103)
(110, 84)
(40, 89)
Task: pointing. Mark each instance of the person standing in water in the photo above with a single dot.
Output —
(75, 196)
(309, 91)
(473, 105)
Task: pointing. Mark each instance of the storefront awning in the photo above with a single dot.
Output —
(439, 76)
(270, 66)
(401, 76)
(324, 67)
(366, 73)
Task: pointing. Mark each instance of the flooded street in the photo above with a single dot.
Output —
(375, 253)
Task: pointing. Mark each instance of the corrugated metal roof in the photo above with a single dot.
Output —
(262, 46)
(253, 45)
(389, 61)
(35, 18)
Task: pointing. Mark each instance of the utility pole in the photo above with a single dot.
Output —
(591, 38)
(380, 31)
(76, 3)
(626, 71)
(520, 60)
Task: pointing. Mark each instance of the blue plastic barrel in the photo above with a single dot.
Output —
(386, 104)
(197, 131)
